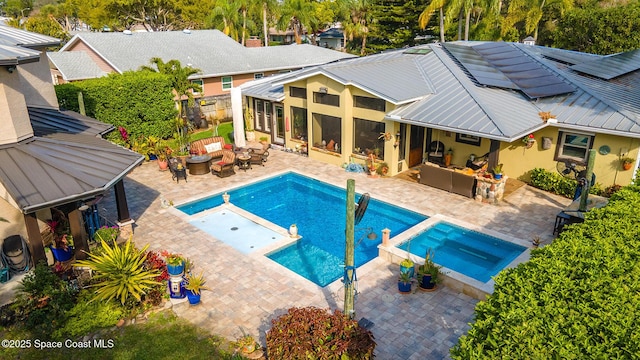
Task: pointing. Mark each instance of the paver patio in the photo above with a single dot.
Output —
(247, 291)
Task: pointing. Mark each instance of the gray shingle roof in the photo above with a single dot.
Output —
(75, 65)
(435, 90)
(214, 53)
(13, 55)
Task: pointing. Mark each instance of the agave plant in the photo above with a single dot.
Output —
(122, 271)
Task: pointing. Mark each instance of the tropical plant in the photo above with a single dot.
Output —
(404, 277)
(43, 300)
(430, 268)
(227, 17)
(172, 258)
(497, 169)
(107, 233)
(314, 333)
(627, 160)
(408, 263)
(179, 79)
(121, 272)
(195, 283)
(296, 15)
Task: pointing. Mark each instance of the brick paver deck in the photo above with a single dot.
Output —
(247, 291)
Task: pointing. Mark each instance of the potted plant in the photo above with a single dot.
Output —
(497, 172)
(528, 141)
(429, 273)
(107, 233)
(404, 282)
(264, 140)
(247, 344)
(627, 162)
(61, 240)
(406, 266)
(194, 284)
(383, 169)
(248, 125)
(161, 154)
(175, 263)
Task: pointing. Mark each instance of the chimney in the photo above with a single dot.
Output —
(254, 41)
(14, 119)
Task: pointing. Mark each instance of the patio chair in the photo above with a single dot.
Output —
(224, 167)
(15, 254)
(259, 156)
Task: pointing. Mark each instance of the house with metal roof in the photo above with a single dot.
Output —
(224, 63)
(411, 105)
(50, 159)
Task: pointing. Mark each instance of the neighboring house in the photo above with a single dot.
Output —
(332, 38)
(474, 98)
(224, 63)
(50, 158)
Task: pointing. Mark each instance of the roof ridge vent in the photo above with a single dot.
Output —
(127, 32)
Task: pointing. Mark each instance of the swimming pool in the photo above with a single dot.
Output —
(466, 251)
(318, 209)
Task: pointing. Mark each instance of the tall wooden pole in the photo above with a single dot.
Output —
(585, 192)
(349, 250)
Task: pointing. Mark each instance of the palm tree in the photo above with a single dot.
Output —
(359, 18)
(229, 14)
(265, 6)
(296, 14)
(531, 12)
(425, 16)
(179, 78)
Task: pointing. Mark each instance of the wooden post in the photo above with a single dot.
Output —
(81, 104)
(76, 226)
(34, 238)
(349, 260)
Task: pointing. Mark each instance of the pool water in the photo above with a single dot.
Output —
(466, 251)
(319, 211)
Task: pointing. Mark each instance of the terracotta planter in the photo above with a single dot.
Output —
(163, 165)
(627, 166)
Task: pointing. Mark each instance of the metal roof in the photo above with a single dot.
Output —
(214, 53)
(17, 37)
(13, 55)
(435, 90)
(75, 65)
(42, 172)
(265, 88)
(611, 66)
(47, 121)
(504, 65)
(390, 76)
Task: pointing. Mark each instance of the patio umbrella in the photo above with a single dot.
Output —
(238, 120)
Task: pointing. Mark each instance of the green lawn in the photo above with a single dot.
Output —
(163, 336)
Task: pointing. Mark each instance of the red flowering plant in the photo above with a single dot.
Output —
(154, 261)
(527, 139)
(172, 259)
(62, 239)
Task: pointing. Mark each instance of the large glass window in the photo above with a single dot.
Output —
(326, 99)
(259, 111)
(367, 137)
(368, 103)
(299, 128)
(227, 82)
(198, 82)
(574, 146)
(327, 132)
(297, 92)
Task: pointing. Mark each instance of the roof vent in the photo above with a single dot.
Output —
(127, 32)
(186, 31)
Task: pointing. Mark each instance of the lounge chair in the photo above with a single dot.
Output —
(224, 167)
(259, 156)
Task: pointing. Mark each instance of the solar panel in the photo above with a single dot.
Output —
(611, 66)
(503, 65)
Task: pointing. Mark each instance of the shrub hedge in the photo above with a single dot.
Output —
(141, 102)
(578, 297)
(558, 184)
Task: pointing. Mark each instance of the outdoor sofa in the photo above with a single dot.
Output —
(448, 179)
